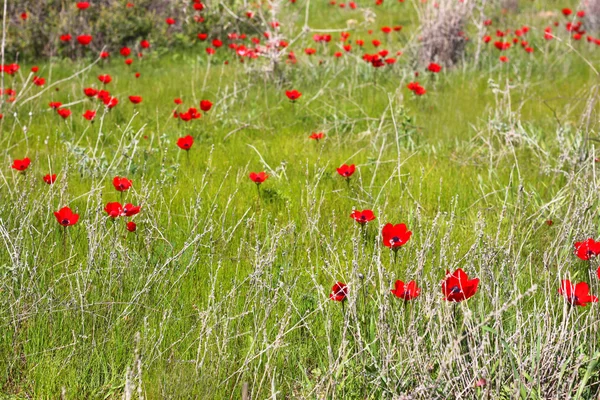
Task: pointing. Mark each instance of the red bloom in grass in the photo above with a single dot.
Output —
(317, 136)
(258, 178)
(130, 210)
(346, 170)
(66, 217)
(185, 143)
(210, 51)
(203, 36)
(587, 249)
(362, 217)
(90, 92)
(65, 37)
(487, 39)
(135, 99)
(178, 101)
(567, 11)
(598, 272)
(104, 54)
(125, 51)
(21, 165)
(376, 43)
(38, 81)
(110, 102)
(122, 184)
(64, 112)
(416, 88)
(82, 5)
(54, 104)
(458, 287)
(170, 21)
(84, 40)
(144, 44)
(293, 95)
(395, 236)
(217, 43)
(503, 59)
(435, 68)
(24, 16)
(129, 61)
(339, 291)
(114, 210)
(386, 29)
(105, 79)
(89, 115)
(206, 105)
(131, 226)
(50, 179)
(576, 295)
(406, 291)
(35, 69)
(502, 45)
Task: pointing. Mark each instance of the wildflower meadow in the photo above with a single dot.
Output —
(300, 199)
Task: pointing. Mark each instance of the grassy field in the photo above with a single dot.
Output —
(223, 285)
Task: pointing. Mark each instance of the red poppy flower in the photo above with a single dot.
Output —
(386, 29)
(104, 54)
(144, 44)
(84, 40)
(24, 16)
(90, 92)
(38, 81)
(64, 112)
(66, 217)
(185, 143)
(258, 178)
(111, 102)
(55, 104)
(105, 79)
(137, 75)
(362, 217)
(293, 95)
(50, 179)
(395, 236)
(170, 21)
(135, 99)
(406, 291)
(178, 101)
(21, 165)
(458, 287)
(114, 210)
(125, 51)
(131, 226)
(503, 59)
(346, 170)
(122, 184)
(339, 291)
(210, 51)
(205, 105)
(129, 61)
(435, 68)
(65, 37)
(89, 115)
(82, 5)
(317, 136)
(587, 249)
(129, 210)
(576, 295)
(35, 69)
(567, 11)
(203, 36)
(598, 272)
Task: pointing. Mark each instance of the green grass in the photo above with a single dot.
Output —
(220, 286)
